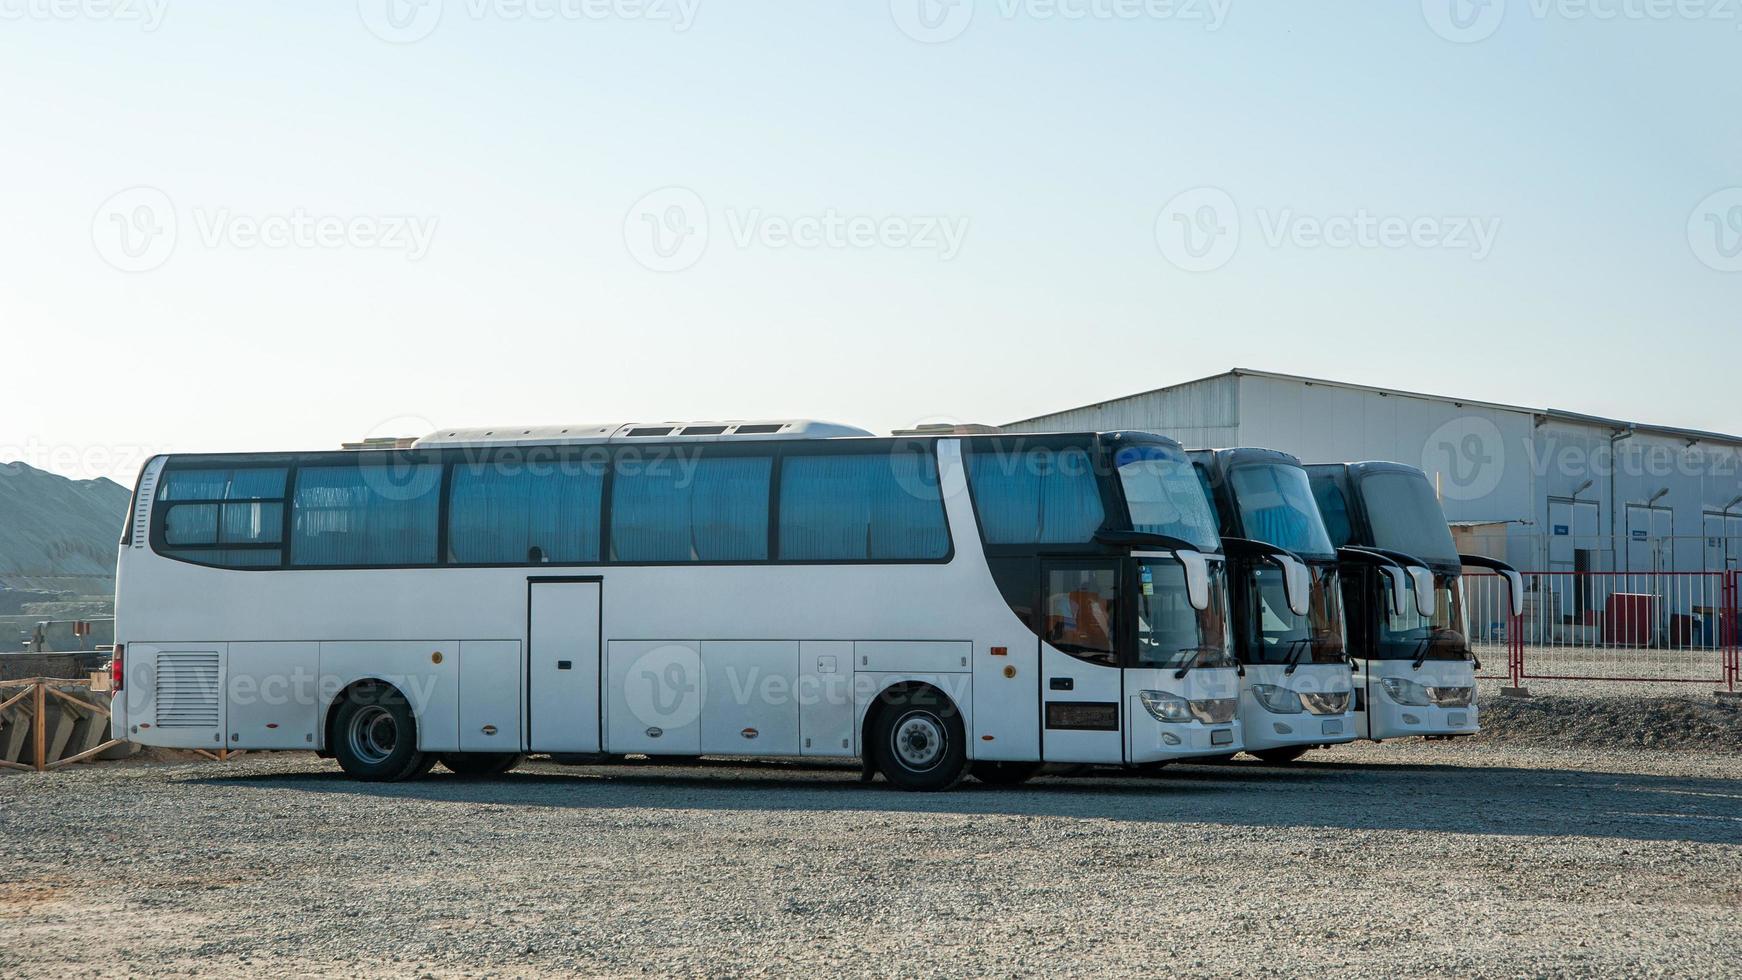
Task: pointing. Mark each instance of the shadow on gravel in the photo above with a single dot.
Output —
(1331, 795)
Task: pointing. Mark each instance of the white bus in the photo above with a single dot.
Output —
(931, 606)
(1296, 692)
(1404, 592)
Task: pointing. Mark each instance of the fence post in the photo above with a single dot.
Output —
(40, 728)
(1727, 625)
(1515, 648)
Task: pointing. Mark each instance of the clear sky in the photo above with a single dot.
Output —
(280, 225)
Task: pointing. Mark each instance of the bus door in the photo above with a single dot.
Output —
(562, 672)
(1081, 686)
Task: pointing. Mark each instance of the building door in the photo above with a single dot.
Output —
(1572, 546)
(562, 672)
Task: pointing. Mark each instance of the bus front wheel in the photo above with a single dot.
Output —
(919, 742)
(375, 737)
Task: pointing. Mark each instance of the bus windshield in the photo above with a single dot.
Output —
(1170, 633)
(1276, 506)
(1165, 496)
(1278, 636)
(1408, 635)
(1406, 516)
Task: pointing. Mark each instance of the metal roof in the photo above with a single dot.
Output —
(1550, 414)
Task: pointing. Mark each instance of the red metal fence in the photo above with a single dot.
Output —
(1662, 627)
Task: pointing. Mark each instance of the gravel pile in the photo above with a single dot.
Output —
(1705, 724)
(1410, 858)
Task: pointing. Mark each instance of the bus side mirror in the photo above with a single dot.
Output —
(1399, 592)
(1424, 590)
(1297, 584)
(1197, 578)
(1515, 591)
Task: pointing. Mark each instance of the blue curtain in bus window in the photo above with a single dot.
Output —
(1037, 496)
(691, 510)
(222, 484)
(366, 514)
(884, 507)
(510, 513)
(205, 509)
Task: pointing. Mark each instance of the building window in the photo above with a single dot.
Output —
(366, 514)
(881, 507)
(678, 509)
(1035, 496)
(508, 513)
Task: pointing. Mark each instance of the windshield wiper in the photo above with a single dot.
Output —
(1183, 671)
(1423, 649)
(1296, 647)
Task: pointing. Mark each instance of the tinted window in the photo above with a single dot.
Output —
(685, 508)
(223, 516)
(885, 506)
(512, 512)
(1406, 516)
(1165, 495)
(366, 514)
(1035, 496)
(1276, 505)
(1334, 508)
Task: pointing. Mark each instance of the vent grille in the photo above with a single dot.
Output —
(142, 504)
(187, 690)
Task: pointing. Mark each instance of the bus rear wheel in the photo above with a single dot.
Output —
(481, 763)
(375, 737)
(918, 742)
(1277, 757)
(1005, 773)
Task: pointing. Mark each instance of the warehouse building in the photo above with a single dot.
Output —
(1542, 488)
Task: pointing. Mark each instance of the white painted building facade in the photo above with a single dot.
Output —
(1572, 492)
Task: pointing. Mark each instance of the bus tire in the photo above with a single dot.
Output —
(918, 741)
(375, 737)
(1282, 756)
(1005, 773)
(480, 764)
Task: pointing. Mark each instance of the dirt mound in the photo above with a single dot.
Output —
(1700, 723)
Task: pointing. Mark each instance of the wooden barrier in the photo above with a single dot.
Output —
(38, 691)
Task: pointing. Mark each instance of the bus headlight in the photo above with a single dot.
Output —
(1451, 697)
(1326, 702)
(1278, 700)
(1406, 692)
(1163, 706)
(1215, 711)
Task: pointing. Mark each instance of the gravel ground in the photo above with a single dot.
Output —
(1496, 857)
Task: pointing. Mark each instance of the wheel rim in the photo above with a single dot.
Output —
(373, 734)
(920, 741)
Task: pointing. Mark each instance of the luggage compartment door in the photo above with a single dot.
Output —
(562, 672)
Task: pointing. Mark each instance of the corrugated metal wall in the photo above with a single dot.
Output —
(1199, 414)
